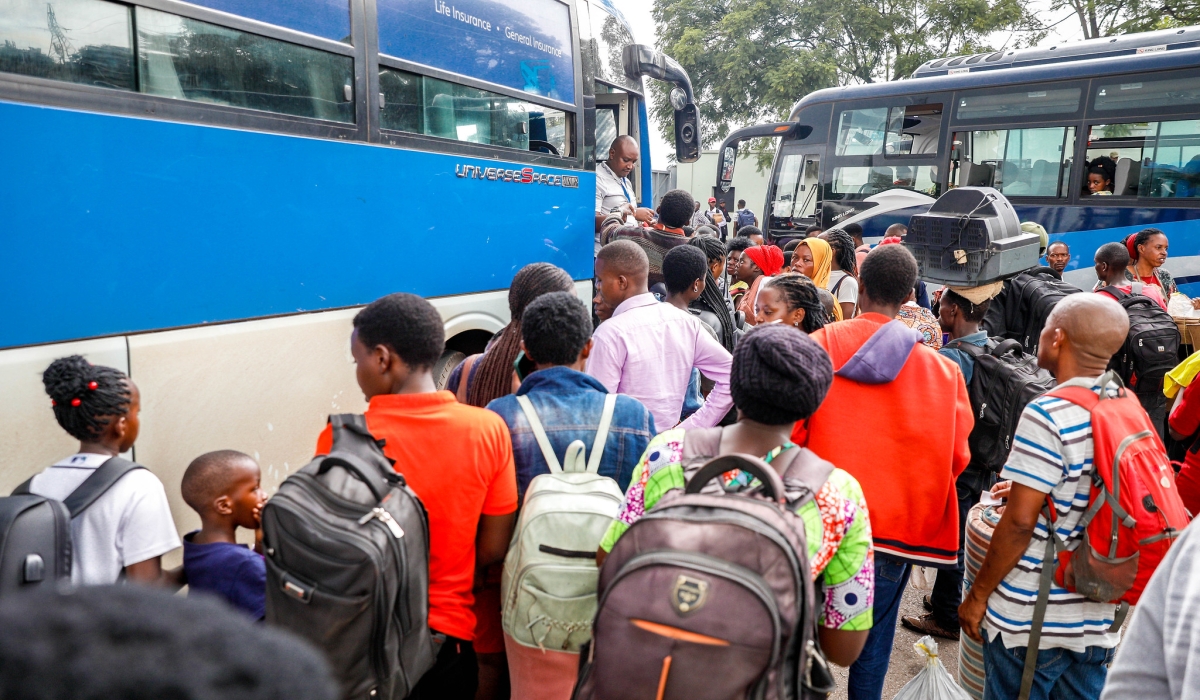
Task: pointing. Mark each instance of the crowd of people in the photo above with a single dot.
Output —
(786, 351)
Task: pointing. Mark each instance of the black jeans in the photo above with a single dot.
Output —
(947, 588)
(455, 674)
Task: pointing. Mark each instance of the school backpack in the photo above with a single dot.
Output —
(709, 595)
(1133, 517)
(745, 217)
(549, 584)
(35, 531)
(347, 551)
(1152, 347)
(1019, 312)
(1003, 383)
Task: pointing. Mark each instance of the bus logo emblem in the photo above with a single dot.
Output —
(526, 176)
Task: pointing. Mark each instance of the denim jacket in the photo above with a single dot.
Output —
(569, 404)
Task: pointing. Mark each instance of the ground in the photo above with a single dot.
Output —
(906, 663)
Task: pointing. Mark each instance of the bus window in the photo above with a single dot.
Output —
(77, 41)
(324, 18)
(1018, 162)
(192, 60)
(1141, 94)
(914, 130)
(864, 181)
(861, 132)
(1013, 104)
(1144, 159)
(423, 105)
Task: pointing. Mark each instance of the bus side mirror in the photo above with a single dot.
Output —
(726, 166)
(640, 61)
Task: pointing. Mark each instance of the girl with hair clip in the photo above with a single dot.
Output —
(128, 528)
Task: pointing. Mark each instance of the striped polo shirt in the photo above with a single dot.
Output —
(1052, 452)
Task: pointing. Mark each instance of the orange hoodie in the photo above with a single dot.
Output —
(903, 435)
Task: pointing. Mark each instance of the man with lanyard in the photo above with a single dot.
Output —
(613, 188)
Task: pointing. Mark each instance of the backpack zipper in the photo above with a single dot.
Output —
(384, 517)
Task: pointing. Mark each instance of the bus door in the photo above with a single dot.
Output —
(616, 115)
(795, 193)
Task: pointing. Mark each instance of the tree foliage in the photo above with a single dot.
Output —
(1099, 18)
(751, 60)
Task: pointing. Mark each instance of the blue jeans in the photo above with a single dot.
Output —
(868, 672)
(1061, 674)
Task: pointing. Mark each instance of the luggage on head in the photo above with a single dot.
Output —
(549, 584)
(1003, 382)
(347, 552)
(709, 595)
(35, 532)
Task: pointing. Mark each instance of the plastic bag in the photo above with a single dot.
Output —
(934, 681)
(922, 578)
(1180, 306)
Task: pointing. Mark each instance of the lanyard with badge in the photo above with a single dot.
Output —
(621, 182)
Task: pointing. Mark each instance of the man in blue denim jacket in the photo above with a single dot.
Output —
(556, 331)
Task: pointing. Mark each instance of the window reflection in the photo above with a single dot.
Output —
(77, 41)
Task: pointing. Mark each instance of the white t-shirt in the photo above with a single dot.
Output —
(848, 292)
(611, 191)
(129, 523)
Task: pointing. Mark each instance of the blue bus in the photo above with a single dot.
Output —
(201, 194)
(1027, 122)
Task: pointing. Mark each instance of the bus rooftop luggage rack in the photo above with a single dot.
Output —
(970, 236)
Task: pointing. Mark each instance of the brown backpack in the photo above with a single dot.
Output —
(709, 594)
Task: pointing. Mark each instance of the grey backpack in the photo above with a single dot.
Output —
(709, 594)
(347, 545)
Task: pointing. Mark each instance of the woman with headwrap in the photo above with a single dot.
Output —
(814, 260)
(767, 260)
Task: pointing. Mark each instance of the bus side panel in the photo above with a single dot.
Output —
(265, 388)
(647, 176)
(117, 224)
(32, 439)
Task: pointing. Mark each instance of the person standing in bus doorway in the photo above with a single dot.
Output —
(613, 187)
(1057, 256)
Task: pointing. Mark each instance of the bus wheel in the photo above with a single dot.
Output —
(445, 365)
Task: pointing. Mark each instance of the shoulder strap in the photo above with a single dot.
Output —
(23, 488)
(97, 484)
(1039, 608)
(804, 475)
(464, 379)
(1115, 291)
(539, 432)
(610, 405)
(838, 286)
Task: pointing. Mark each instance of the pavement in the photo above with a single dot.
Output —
(906, 662)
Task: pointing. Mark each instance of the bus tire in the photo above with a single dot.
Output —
(445, 365)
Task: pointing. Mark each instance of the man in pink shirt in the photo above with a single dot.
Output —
(1111, 261)
(647, 350)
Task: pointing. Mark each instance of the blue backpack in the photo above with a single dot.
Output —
(745, 217)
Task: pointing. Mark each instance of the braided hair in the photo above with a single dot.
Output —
(494, 376)
(800, 293)
(713, 298)
(85, 397)
(843, 250)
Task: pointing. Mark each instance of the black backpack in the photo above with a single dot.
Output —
(1152, 347)
(1019, 312)
(35, 531)
(347, 545)
(1003, 383)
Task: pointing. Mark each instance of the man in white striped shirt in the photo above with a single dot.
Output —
(1051, 456)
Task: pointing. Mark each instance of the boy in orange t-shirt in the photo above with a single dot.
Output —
(457, 458)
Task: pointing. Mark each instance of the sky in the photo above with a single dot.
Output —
(638, 13)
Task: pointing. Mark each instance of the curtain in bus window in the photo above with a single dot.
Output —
(188, 59)
(864, 181)
(324, 18)
(77, 41)
(1146, 159)
(1018, 162)
(523, 45)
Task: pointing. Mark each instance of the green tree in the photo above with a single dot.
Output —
(1098, 18)
(750, 60)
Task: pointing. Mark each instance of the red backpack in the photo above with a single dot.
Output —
(1134, 511)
